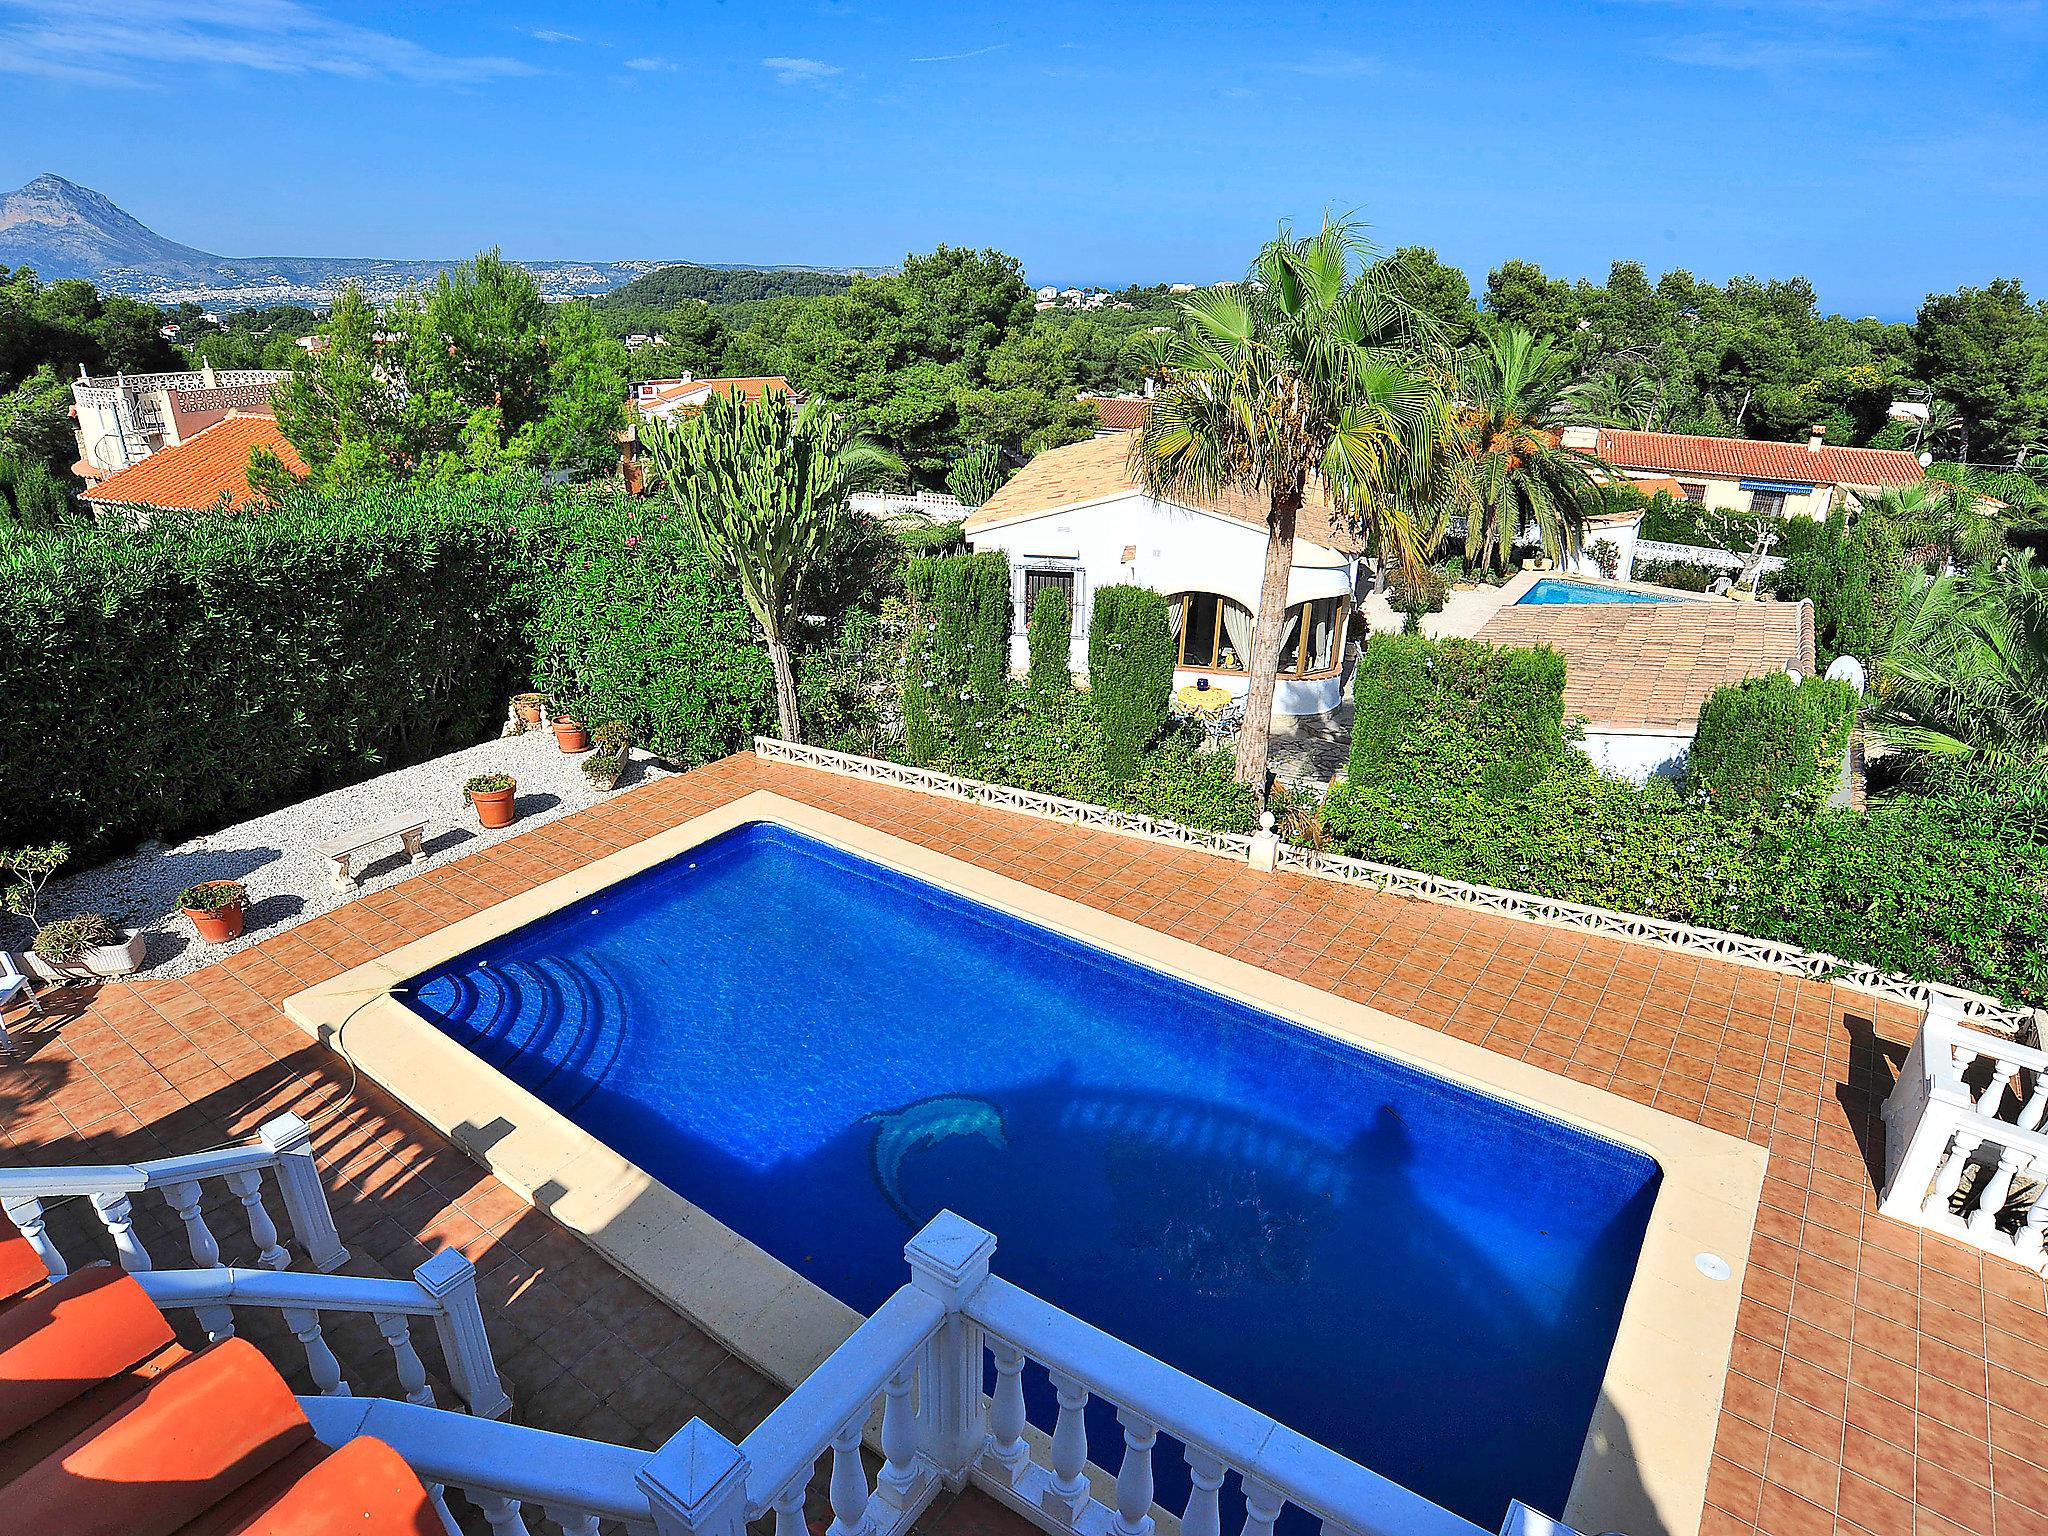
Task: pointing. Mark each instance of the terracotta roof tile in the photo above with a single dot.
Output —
(194, 475)
(655, 394)
(1117, 414)
(1679, 453)
(1100, 468)
(1650, 666)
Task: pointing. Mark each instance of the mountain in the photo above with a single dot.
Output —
(64, 230)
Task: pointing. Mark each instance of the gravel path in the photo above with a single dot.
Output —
(275, 857)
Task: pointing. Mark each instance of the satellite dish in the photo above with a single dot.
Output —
(1926, 459)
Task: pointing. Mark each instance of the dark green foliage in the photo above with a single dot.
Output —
(1681, 575)
(1767, 741)
(30, 496)
(1130, 672)
(1476, 715)
(212, 896)
(1855, 575)
(957, 659)
(64, 940)
(662, 289)
(632, 622)
(1051, 634)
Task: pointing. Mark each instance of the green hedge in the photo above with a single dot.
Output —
(957, 663)
(1767, 740)
(157, 683)
(1130, 672)
(1050, 631)
(1482, 715)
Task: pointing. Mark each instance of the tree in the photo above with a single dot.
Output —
(1963, 668)
(1305, 376)
(1507, 467)
(977, 474)
(1986, 351)
(1622, 396)
(764, 486)
(1438, 290)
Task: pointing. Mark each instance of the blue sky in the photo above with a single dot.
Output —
(1882, 149)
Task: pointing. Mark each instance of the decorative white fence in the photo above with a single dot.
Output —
(932, 506)
(1964, 1150)
(1787, 959)
(917, 1368)
(1701, 554)
(283, 1148)
(442, 1290)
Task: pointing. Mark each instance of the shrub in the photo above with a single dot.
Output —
(612, 736)
(1415, 593)
(1051, 635)
(957, 659)
(66, 939)
(1855, 575)
(1464, 712)
(27, 871)
(1768, 740)
(603, 767)
(1683, 575)
(212, 895)
(1606, 555)
(1130, 672)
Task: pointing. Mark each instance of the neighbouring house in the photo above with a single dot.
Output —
(655, 398)
(1637, 673)
(1737, 475)
(207, 470)
(1117, 413)
(121, 419)
(1076, 518)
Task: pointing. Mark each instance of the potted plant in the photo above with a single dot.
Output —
(603, 769)
(88, 945)
(526, 708)
(570, 735)
(492, 795)
(215, 908)
(612, 736)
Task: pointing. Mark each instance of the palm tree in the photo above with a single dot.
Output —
(764, 487)
(1967, 528)
(1618, 396)
(1508, 468)
(1963, 671)
(1313, 373)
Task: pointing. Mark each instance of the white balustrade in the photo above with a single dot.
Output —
(443, 1290)
(1965, 1154)
(283, 1149)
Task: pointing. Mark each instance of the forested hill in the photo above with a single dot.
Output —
(664, 289)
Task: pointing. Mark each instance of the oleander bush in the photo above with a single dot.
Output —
(1766, 741)
(1130, 672)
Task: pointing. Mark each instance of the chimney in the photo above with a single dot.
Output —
(1817, 436)
(1584, 438)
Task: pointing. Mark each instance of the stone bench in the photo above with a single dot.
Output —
(340, 851)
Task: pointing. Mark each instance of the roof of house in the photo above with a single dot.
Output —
(196, 474)
(1118, 413)
(1734, 458)
(1650, 666)
(1656, 485)
(1100, 468)
(654, 394)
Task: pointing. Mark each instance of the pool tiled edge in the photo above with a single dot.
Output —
(1646, 1456)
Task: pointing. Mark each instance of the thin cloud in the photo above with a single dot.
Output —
(546, 36)
(799, 71)
(129, 43)
(649, 65)
(951, 58)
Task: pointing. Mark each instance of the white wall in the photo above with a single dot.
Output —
(1172, 550)
(1621, 533)
(1638, 756)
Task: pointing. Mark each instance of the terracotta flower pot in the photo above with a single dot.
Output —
(219, 925)
(570, 735)
(527, 707)
(493, 806)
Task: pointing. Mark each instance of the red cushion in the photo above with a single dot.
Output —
(20, 1267)
(67, 1338)
(363, 1489)
(193, 1437)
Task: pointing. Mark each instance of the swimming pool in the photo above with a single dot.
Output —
(1552, 590)
(822, 1052)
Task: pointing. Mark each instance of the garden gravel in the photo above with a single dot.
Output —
(276, 856)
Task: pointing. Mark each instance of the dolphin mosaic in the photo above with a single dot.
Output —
(926, 1123)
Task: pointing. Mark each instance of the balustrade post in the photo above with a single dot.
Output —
(1938, 1205)
(290, 1140)
(1996, 1189)
(574, 1522)
(1262, 1505)
(1006, 1416)
(450, 1279)
(26, 1212)
(248, 1188)
(898, 1483)
(412, 1374)
(1203, 1516)
(304, 1323)
(696, 1484)
(118, 1217)
(1069, 1490)
(183, 1198)
(789, 1504)
(501, 1514)
(1134, 1475)
(848, 1488)
(949, 1260)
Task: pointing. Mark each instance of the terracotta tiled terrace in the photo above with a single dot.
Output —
(1885, 1382)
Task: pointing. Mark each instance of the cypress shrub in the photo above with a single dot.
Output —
(1473, 713)
(957, 662)
(1130, 673)
(1767, 740)
(1051, 633)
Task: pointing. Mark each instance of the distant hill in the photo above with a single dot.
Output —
(64, 230)
(665, 289)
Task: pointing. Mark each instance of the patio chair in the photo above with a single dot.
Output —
(13, 983)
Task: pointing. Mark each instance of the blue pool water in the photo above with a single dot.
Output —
(824, 1053)
(1551, 589)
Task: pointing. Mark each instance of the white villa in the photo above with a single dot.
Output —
(121, 419)
(1075, 517)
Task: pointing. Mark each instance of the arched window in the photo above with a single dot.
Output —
(1214, 634)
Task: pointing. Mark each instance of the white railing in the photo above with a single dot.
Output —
(1787, 959)
(1703, 554)
(283, 1148)
(442, 1290)
(1964, 1150)
(934, 506)
(909, 1383)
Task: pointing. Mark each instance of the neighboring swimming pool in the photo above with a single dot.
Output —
(822, 1053)
(1552, 589)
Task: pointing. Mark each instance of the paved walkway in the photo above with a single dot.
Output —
(1885, 1381)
